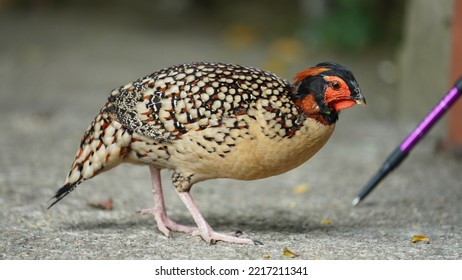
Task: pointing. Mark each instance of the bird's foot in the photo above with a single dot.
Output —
(204, 229)
(212, 237)
(167, 225)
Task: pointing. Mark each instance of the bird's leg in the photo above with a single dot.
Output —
(205, 231)
(164, 223)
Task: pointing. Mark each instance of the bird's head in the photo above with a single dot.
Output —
(326, 89)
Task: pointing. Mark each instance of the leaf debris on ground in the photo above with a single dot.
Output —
(301, 188)
(420, 238)
(288, 253)
(103, 205)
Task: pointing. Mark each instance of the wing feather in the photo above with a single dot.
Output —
(167, 104)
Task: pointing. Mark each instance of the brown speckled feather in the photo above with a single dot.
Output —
(171, 102)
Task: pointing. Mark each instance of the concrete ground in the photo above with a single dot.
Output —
(56, 72)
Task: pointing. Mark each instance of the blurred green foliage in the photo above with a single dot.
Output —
(338, 25)
(353, 25)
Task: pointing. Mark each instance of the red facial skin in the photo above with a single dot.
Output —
(338, 95)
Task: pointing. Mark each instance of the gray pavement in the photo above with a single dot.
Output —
(57, 71)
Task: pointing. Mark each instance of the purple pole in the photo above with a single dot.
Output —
(401, 152)
(427, 123)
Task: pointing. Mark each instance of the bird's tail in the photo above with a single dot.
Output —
(104, 145)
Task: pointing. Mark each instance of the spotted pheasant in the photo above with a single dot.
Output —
(213, 120)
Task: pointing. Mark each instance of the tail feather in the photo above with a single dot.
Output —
(62, 193)
(104, 145)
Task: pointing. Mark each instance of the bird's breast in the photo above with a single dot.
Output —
(247, 153)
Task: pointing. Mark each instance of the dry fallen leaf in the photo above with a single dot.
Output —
(288, 253)
(266, 256)
(420, 238)
(104, 205)
(326, 222)
(301, 188)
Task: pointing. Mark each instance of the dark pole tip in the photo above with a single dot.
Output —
(391, 163)
(356, 201)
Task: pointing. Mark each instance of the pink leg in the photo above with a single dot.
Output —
(204, 229)
(164, 223)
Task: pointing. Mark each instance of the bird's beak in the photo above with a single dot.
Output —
(358, 97)
(361, 101)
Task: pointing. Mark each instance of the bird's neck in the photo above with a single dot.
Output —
(325, 118)
(309, 107)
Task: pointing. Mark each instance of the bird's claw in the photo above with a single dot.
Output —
(167, 225)
(257, 242)
(213, 237)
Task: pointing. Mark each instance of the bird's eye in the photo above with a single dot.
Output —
(334, 85)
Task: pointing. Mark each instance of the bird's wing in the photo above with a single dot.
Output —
(167, 104)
